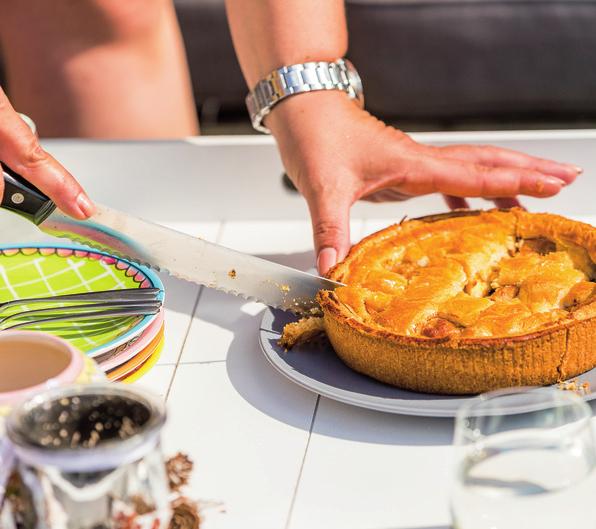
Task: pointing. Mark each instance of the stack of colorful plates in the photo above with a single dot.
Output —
(124, 347)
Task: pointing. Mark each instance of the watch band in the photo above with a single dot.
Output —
(299, 78)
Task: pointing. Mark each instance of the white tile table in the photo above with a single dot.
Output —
(270, 455)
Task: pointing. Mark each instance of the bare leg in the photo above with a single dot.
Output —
(98, 68)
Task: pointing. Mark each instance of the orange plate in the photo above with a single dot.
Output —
(136, 361)
(144, 367)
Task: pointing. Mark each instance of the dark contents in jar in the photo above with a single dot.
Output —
(84, 421)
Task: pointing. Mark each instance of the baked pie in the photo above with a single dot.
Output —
(467, 302)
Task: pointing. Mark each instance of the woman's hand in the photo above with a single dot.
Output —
(20, 150)
(336, 153)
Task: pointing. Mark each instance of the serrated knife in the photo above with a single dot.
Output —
(161, 248)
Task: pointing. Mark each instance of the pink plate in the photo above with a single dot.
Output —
(120, 355)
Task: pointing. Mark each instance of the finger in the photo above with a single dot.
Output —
(499, 157)
(507, 203)
(430, 174)
(330, 218)
(386, 195)
(456, 202)
(20, 150)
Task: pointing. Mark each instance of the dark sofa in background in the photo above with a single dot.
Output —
(431, 64)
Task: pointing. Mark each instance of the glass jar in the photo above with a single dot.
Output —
(89, 457)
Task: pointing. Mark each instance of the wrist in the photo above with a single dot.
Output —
(309, 112)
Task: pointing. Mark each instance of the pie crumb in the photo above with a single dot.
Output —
(303, 330)
(575, 385)
(232, 273)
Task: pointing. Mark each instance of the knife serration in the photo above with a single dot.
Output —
(192, 258)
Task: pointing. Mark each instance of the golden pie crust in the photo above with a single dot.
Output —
(467, 302)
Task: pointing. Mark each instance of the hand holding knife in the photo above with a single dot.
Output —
(161, 248)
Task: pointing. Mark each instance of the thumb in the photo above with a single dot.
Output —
(331, 230)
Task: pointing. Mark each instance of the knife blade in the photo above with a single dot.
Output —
(164, 249)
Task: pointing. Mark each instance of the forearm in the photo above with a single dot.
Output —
(117, 68)
(269, 34)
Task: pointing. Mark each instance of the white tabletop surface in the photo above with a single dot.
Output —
(269, 454)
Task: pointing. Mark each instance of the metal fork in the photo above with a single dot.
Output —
(96, 305)
(122, 295)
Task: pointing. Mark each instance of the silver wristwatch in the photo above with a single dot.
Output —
(300, 78)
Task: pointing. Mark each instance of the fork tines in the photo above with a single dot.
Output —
(86, 305)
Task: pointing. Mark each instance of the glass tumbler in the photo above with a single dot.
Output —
(525, 458)
(89, 457)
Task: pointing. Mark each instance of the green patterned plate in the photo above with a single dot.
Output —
(37, 271)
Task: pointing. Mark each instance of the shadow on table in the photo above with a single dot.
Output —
(268, 391)
(178, 294)
(301, 260)
(433, 527)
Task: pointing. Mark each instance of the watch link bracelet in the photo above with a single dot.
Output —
(297, 79)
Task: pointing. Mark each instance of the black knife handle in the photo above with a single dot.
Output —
(24, 198)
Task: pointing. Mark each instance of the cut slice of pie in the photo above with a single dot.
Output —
(467, 302)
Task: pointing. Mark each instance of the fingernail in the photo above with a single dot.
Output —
(85, 205)
(551, 181)
(571, 167)
(326, 259)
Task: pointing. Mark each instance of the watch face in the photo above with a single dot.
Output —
(355, 81)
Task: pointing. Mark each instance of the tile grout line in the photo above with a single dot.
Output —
(199, 362)
(292, 503)
(191, 362)
(194, 310)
